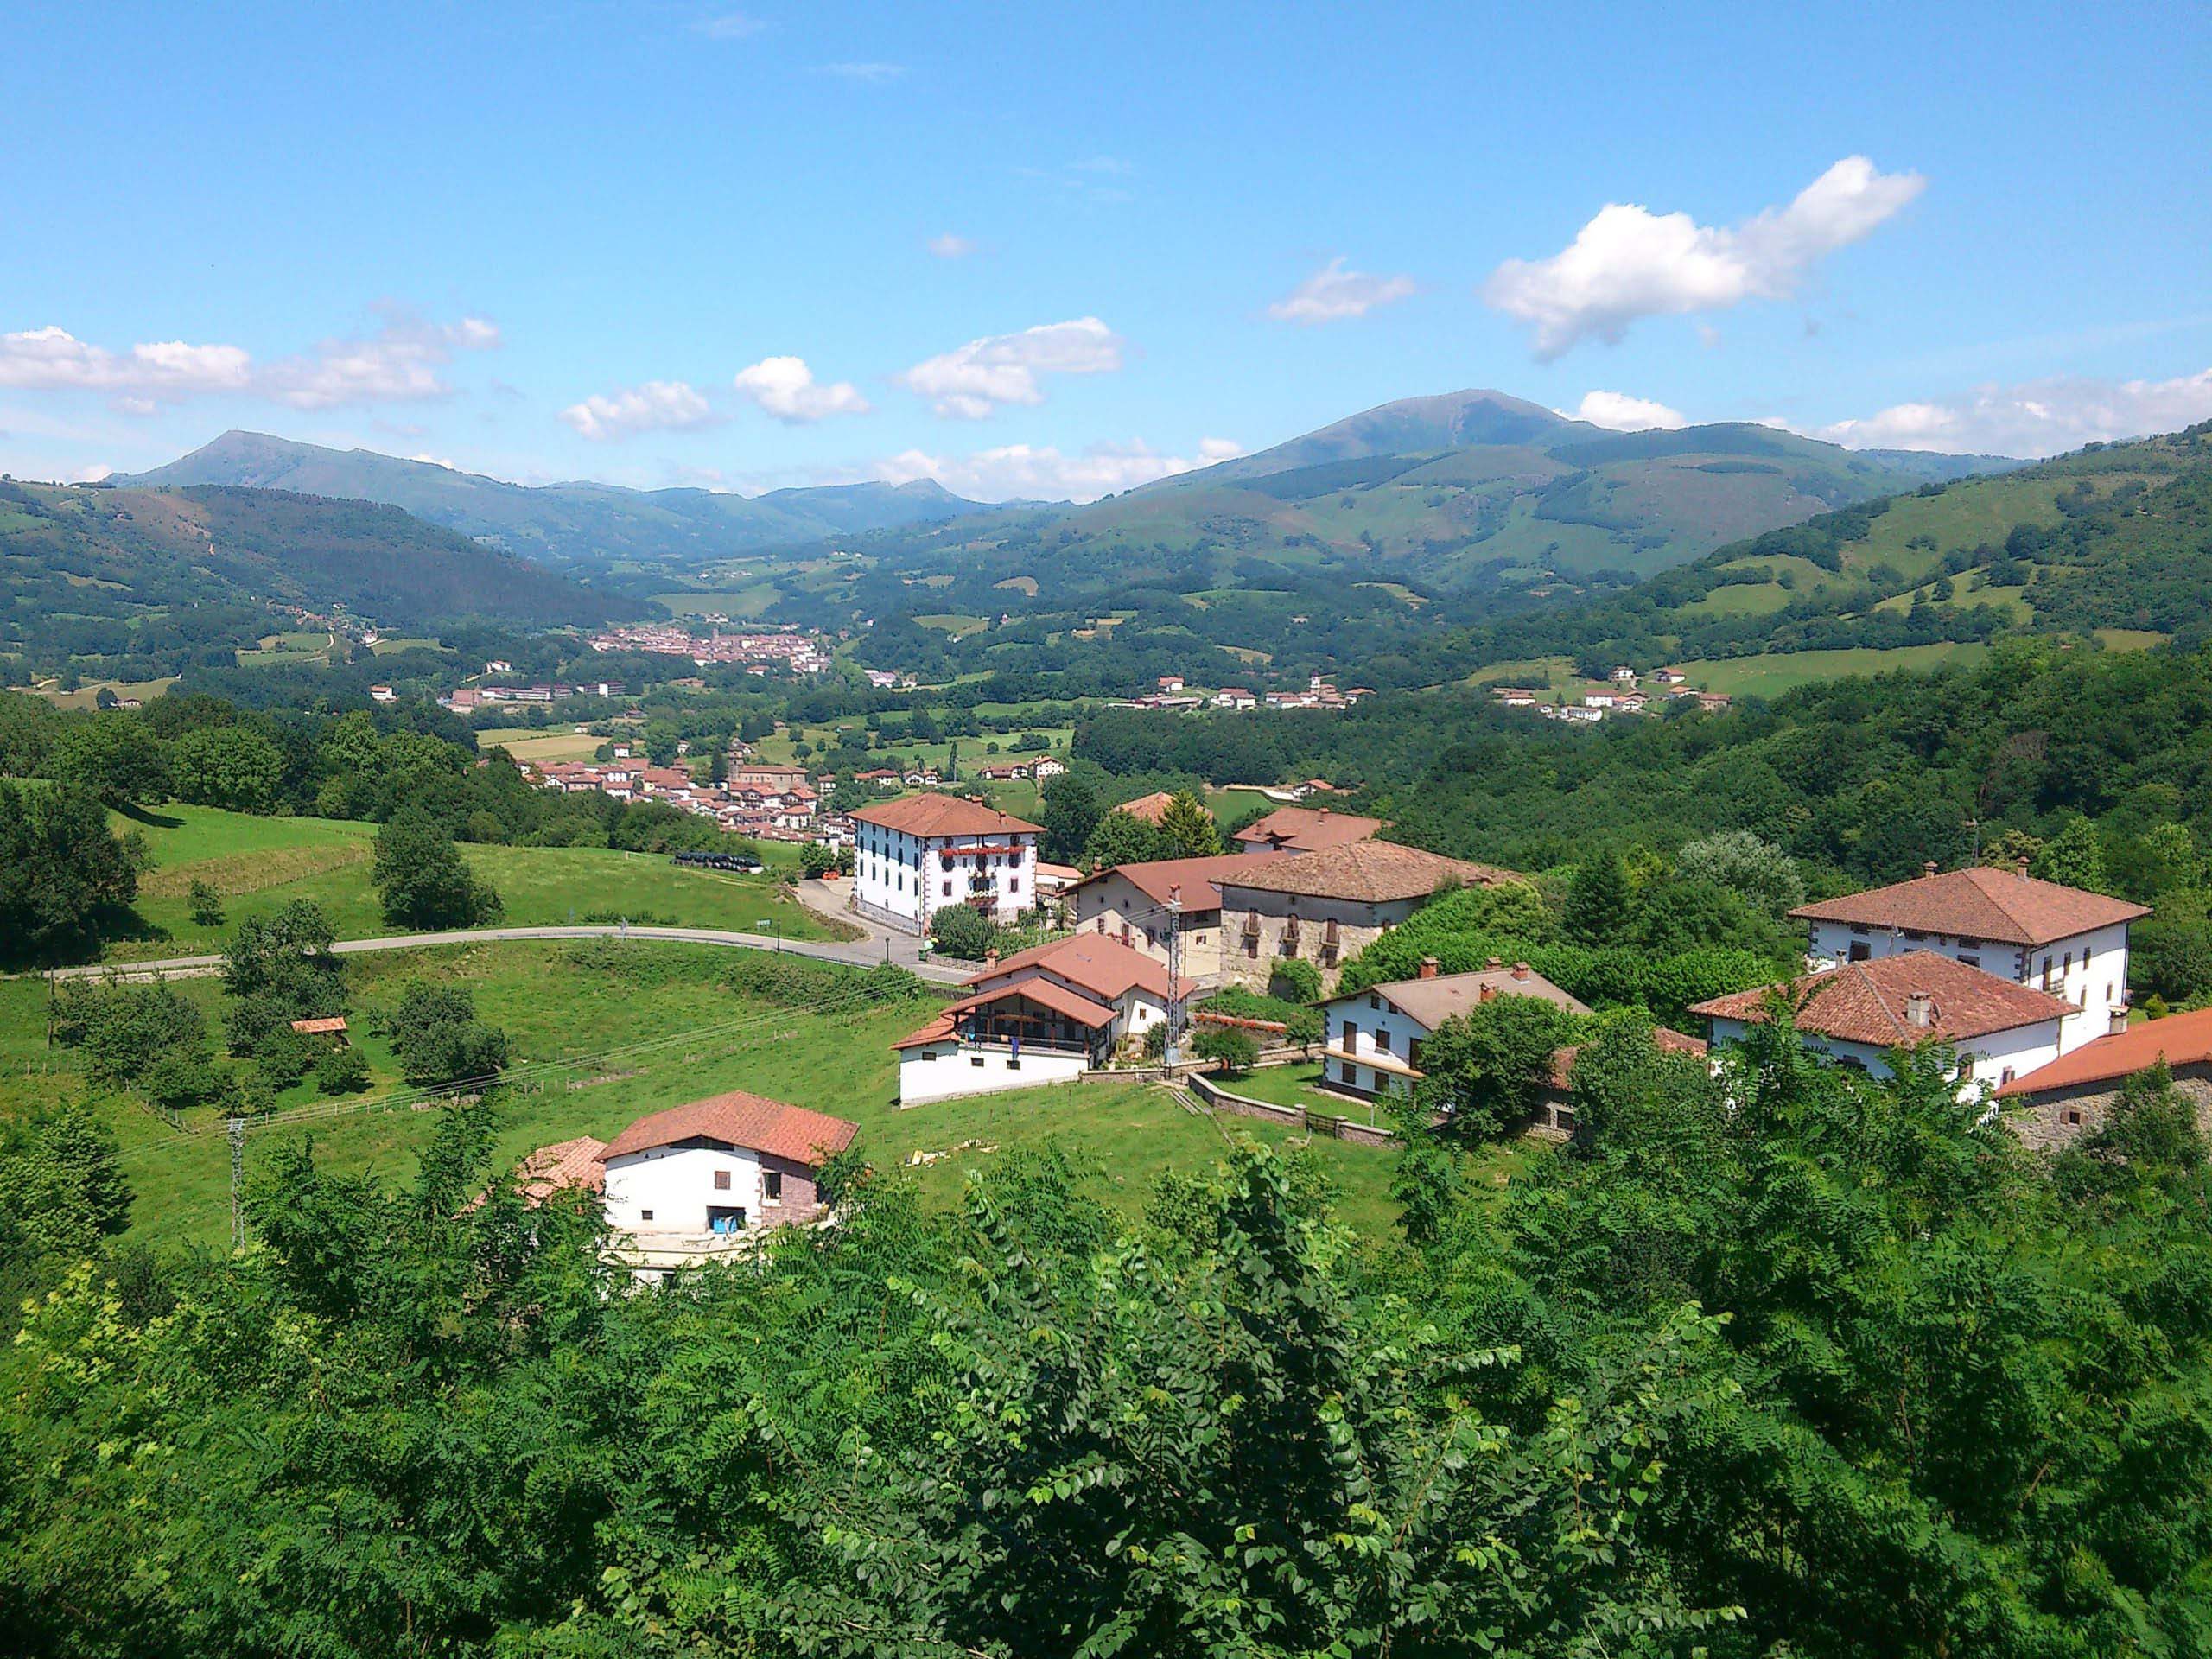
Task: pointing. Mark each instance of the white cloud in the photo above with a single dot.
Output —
(1620, 412)
(949, 246)
(728, 25)
(398, 363)
(1042, 471)
(53, 359)
(874, 74)
(975, 379)
(2035, 418)
(657, 406)
(787, 389)
(1629, 263)
(1332, 292)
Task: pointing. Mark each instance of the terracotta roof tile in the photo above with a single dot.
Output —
(1371, 871)
(1199, 877)
(739, 1119)
(1101, 966)
(942, 815)
(1048, 993)
(1149, 808)
(1977, 904)
(1308, 829)
(1867, 1002)
(1665, 1039)
(2178, 1040)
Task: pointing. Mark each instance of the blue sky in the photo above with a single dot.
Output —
(1049, 250)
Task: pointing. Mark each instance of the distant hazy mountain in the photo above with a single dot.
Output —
(577, 523)
(119, 568)
(1469, 490)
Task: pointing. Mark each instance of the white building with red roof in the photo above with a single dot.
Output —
(916, 856)
(2006, 922)
(1046, 1015)
(1861, 1012)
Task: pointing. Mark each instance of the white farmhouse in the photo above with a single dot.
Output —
(1372, 1039)
(1860, 1011)
(1046, 1015)
(914, 857)
(2071, 944)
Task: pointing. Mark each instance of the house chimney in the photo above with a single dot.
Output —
(1494, 965)
(1484, 993)
(1428, 967)
(2120, 1019)
(1324, 811)
(991, 960)
(1919, 1009)
(2021, 865)
(1520, 970)
(1929, 869)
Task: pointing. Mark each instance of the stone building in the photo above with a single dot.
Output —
(1326, 908)
(2073, 1096)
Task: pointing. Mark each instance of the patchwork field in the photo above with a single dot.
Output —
(1771, 675)
(541, 745)
(602, 1033)
(259, 865)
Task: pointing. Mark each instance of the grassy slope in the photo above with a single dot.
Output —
(261, 864)
(559, 1004)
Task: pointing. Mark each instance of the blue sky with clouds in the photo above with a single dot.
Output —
(1053, 250)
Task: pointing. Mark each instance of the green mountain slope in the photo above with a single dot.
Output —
(576, 522)
(2116, 536)
(149, 574)
(1474, 494)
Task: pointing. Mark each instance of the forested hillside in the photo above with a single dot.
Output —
(145, 581)
(2116, 536)
(590, 524)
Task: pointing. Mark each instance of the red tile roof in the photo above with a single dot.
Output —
(741, 1120)
(1866, 1001)
(1308, 829)
(323, 1028)
(2178, 1040)
(1367, 871)
(942, 815)
(936, 1031)
(1977, 904)
(1201, 879)
(1093, 962)
(1434, 1001)
(1149, 808)
(1048, 993)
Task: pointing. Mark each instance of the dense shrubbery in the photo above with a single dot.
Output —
(1787, 1360)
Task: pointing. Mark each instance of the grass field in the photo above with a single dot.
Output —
(1771, 675)
(87, 694)
(573, 1005)
(259, 865)
(543, 744)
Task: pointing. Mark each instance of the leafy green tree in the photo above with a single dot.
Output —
(1121, 838)
(1192, 830)
(2170, 957)
(816, 859)
(204, 905)
(963, 932)
(1600, 907)
(1294, 980)
(342, 1071)
(62, 1188)
(114, 755)
(1483, 1068)
(123, 1029)
(1070, 813)
(1227, 1048)
(421, 879)
(1427, 1185)
(2073, 858)
(227, 766)
(1742, 862)
(60, 867)
(438, 1039)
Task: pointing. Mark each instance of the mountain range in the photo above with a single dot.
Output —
(573, 524)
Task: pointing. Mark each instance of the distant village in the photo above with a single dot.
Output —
(758, 650)
(1622, 693)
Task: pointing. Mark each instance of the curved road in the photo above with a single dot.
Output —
(879, 946)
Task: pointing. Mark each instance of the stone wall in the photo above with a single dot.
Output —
(2052, 1120)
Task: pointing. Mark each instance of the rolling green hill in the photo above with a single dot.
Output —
(162, 577)
(2113, 540)
(576, 522)
(1474, 493)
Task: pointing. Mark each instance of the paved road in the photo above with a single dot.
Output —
(859, 953)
